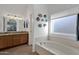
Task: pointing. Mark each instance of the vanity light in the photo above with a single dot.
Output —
(11, 17)
(14, 17)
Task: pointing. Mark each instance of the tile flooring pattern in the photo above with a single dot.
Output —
(18, 50)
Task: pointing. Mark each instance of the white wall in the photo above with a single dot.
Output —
(30, 20)
(16, 9)
(40, 34)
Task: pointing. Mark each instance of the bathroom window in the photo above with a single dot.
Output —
(65, 25)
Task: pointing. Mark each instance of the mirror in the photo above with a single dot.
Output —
(12, 24)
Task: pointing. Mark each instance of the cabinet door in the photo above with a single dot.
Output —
(16, 39)
(9, 40)
(23, 38)
(1, 42)
(5, 41)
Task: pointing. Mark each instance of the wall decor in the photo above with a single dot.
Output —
(39, 25)
(40, 15)
(46, 20)
(45, 16)
(38, 19)
(44, 25)
(42, 19)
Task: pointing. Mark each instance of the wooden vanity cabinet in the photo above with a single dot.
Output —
(16, 40)
(23, 39)
(1, 42)
(13, 40)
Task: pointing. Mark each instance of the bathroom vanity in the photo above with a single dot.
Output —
(10, 39)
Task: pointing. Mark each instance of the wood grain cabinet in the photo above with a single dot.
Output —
(16, 39)
(1, 42)
(13, 40)
(23, 38)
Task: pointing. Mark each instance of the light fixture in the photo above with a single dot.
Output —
(11, 16)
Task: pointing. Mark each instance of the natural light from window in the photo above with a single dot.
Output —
(66, 25)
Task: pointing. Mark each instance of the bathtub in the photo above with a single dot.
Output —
(57, 48)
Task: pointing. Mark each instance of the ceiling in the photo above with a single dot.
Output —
(22, 8)
(55, 8)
